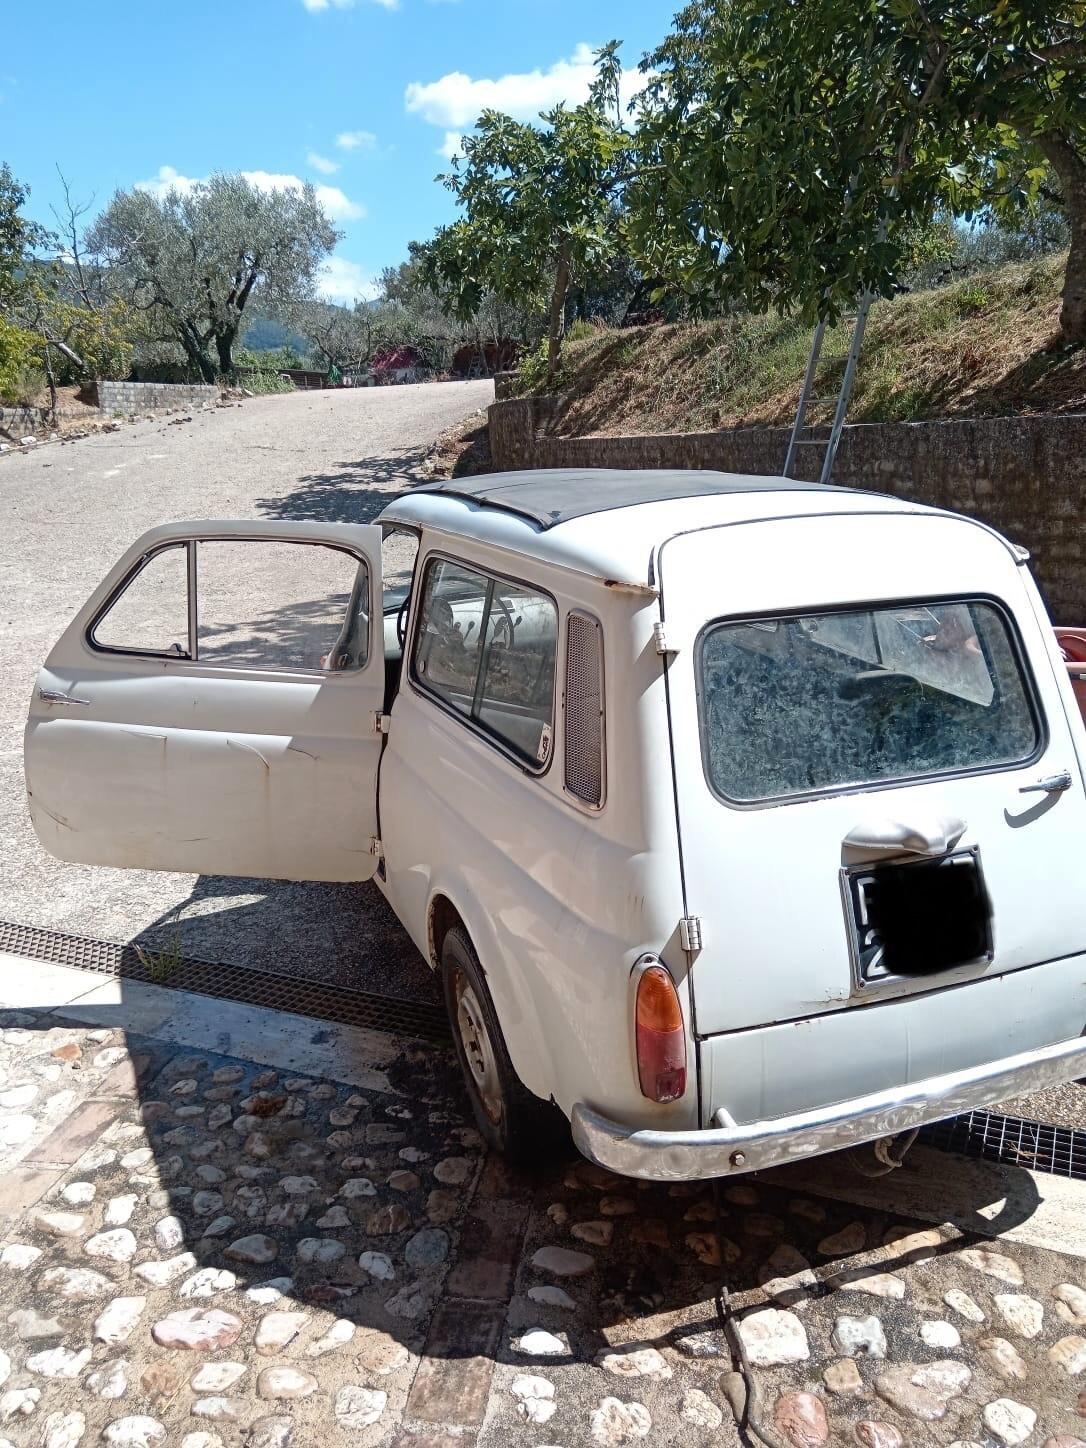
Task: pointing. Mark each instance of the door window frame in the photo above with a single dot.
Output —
(192, 656)
(422, 569)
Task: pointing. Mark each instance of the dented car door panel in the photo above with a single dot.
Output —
(173, 763)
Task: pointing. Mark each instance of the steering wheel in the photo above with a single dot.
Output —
(506, 623)
(401, 621)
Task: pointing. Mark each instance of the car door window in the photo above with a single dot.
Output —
(486, 647)
(256, 603)
(150, 614)
(280, 605)
(451, 633)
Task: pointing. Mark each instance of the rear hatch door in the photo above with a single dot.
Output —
(861, 705)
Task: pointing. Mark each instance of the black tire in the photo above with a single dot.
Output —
(514, 1122)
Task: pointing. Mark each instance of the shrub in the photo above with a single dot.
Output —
(263, 381)
(21, 378)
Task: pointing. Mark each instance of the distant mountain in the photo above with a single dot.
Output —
(265, 334)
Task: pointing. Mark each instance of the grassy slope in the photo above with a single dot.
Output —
(984, 346)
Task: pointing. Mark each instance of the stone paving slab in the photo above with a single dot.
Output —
(206, 1250)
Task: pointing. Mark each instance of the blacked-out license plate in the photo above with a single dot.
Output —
(920, 917)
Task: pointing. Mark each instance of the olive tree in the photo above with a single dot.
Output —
(340, 336)
(789, 149)
(192, 259)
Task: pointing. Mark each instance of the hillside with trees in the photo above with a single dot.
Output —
(780, 162)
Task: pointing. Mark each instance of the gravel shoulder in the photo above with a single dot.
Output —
(69, 511)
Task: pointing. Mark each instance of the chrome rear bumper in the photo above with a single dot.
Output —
(727, 1150)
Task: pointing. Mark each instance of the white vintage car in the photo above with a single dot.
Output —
(743, 818)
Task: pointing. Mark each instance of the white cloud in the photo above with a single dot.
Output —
(345, 282)
(356, 140)
(167, 180)
(451, 145)
(338, 206)
(456, 99)
(321, 163)
(315, 5)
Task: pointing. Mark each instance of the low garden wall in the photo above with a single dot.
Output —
(130, 397)
(1024, 475)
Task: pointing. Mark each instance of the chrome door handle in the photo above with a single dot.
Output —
(54, 696)
(1053, 784)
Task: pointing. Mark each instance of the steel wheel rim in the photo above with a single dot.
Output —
(478, 1050)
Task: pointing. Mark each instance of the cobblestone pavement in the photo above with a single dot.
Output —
(204, 1250)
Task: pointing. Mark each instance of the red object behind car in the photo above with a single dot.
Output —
(1072, 643)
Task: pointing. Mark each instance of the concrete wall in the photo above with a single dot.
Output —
(130, 397)
(1024, 475)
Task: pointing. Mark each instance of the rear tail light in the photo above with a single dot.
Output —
(661, 1037)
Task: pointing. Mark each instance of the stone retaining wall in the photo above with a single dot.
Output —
(1024, 475)
(20, 420)
(131, 397)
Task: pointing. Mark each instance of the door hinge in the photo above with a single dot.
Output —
(381, 722)
(690, 933)
(659, 636)
(377, 848)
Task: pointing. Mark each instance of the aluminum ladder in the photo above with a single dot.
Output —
(795, 442)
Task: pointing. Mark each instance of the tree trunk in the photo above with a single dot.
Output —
(1070, 167)
(195, 350)
(224, 343)
(52, 381)
(1073, 310)
(556, 322)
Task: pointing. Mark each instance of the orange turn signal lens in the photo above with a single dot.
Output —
(661, 1036)
(658, 1001)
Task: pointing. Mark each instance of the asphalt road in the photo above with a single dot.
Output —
(69, 511)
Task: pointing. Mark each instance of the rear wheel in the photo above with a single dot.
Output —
(512, 1120)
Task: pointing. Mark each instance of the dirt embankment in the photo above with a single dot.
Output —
(985, 346)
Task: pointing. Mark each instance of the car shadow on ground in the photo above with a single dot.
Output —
(345, 935)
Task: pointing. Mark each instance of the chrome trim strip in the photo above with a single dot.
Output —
(728, 1150)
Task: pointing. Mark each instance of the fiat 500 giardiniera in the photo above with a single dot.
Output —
(742, 818)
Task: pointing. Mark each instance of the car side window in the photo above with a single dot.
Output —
(449, 640)
(244, 603)
(486, 647)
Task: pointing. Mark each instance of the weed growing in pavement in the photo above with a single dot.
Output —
(161, 964)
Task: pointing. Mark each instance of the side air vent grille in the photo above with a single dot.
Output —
(584, 710)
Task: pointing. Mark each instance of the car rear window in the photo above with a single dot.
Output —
(799, 704)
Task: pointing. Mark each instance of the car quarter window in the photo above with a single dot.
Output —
(486, 648)
(258, 603)
(150, 614)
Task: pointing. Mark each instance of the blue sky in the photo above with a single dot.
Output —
(361, 97)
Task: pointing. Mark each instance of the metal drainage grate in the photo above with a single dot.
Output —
(1058, 1150)
(251, 987)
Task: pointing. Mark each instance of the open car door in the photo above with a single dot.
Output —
(213, 708)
